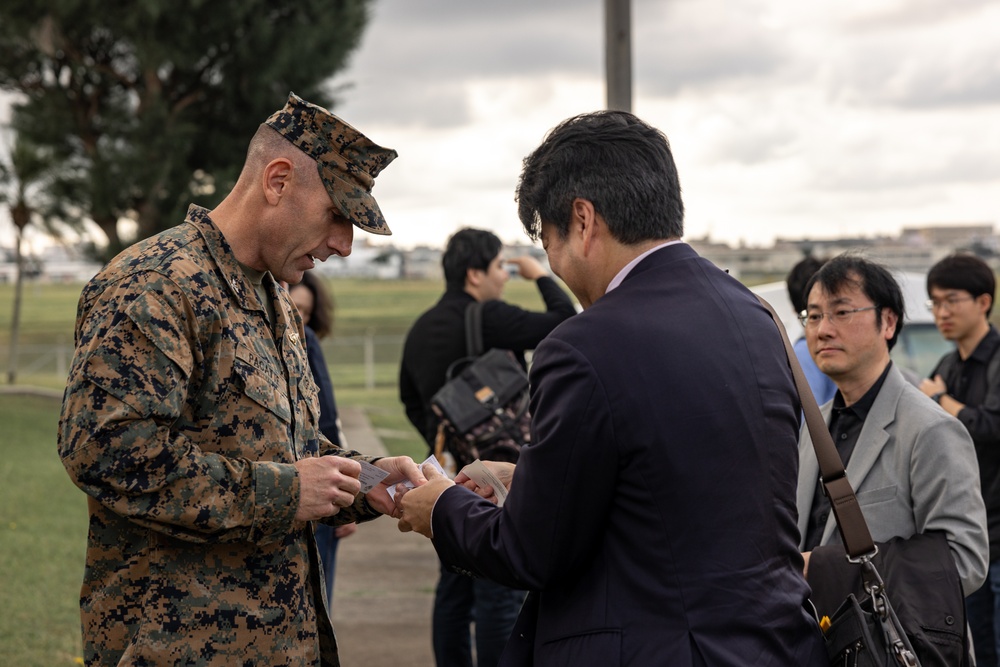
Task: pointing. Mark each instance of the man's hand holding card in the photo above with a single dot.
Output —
(384, 473)
(490, 479)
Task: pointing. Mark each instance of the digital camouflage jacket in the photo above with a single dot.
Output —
(182, 417)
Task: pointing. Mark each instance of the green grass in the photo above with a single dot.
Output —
(386, 415)
(48, 312)
(43, 532)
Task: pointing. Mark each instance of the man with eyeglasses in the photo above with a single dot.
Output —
(966, 383)
(911, 464)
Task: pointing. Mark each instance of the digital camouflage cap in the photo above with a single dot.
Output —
(347, 160)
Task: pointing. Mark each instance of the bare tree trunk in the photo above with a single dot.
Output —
(15, 323)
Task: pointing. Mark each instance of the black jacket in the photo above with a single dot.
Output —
(437, 339)
(981, 416)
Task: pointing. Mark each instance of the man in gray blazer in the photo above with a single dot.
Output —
(912, 465)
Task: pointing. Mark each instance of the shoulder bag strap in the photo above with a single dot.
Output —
(850, 521)
(993, 369)
(474, 329)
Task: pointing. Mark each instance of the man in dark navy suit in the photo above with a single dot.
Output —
(653, 516)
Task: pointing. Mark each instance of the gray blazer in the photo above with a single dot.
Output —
(913, 470)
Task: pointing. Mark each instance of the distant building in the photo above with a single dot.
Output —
(55, 264)
(956, 236)
(365, 261)
(748, 264)
(423, 262)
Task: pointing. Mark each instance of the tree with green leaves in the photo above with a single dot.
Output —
(155, 101)
(36, 186)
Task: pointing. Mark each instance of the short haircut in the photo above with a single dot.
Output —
(874, 280)
(797, 279)
(321, 319)
(963, 271)
(468, 249)
(266, 145)
(620, 164)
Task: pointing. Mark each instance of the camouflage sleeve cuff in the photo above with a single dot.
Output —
(366, 511)
(276, 499)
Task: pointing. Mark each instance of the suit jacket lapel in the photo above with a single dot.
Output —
(808, 475)
(872, 438)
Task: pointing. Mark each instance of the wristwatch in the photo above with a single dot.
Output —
(937, 397)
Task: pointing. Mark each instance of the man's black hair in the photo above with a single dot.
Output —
(468, 249)
(612, 159)
(797, 279)
(963, 271)
(874, 280)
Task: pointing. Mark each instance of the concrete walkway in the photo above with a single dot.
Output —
(384, 590)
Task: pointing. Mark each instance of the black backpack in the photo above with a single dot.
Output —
(483, 406)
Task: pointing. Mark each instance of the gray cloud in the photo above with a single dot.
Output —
(777, 104)
(921, 54)
(417, 57)
(959, 77)
(686, 45)
(916, 13)
(753, 145)
(873, 172)
(412, 102)
(443, 38)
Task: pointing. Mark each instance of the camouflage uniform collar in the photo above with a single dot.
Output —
(233, 275)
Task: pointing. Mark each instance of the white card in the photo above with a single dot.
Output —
(408, 484)
(481, 475)
(370, 476)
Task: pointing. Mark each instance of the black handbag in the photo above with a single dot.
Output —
(483, 405)
(865, 632)
(924, 585)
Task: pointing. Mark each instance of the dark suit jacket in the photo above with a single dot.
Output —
(437, 339)
(654, 513)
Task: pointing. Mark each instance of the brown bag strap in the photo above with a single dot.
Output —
(850, 521)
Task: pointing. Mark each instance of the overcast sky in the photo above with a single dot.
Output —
(787, 118)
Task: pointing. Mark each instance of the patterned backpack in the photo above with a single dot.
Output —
(483, 406)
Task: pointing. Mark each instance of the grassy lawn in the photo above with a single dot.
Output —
(43, 532)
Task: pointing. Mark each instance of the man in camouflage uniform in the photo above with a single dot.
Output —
(190, 416)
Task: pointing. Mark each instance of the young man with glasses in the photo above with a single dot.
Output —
(912, 465)
(966, 383)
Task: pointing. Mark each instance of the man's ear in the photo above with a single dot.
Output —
(474, 277)
(584, 222)
(983, 302)
(276, 177)
(890, 322)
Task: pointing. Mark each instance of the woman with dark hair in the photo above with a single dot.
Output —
(316, 308)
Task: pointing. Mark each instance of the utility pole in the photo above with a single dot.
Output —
(618, 53)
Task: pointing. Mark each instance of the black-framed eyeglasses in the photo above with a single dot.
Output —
(841, 316)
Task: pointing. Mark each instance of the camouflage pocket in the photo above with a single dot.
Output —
(129, 365)
(258, 386)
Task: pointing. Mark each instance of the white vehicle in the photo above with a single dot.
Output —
(920, 345)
